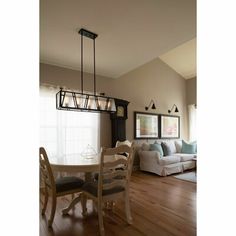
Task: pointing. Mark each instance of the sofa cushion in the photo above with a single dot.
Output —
(168, 148)
(185, 156)
(169, 160)
(156, 147)
(145, 147)
(178, 145)
(159, 142)
(189, 148)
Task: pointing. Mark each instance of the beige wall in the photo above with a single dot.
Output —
(191, 91)
(69, 78)
(154, 80)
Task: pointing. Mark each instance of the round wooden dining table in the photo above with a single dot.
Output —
(78, 163)
(75, 163)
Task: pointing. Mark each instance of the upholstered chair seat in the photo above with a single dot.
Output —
(92, 188)
(68, 183)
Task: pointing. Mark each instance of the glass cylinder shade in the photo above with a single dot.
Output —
(67, 100)
(91, 103)
(112, 105)
(80, 99)
(102, 103)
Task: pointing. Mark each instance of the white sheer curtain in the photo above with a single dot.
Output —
(192, 114)
(66, 132)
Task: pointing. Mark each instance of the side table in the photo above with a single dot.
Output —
(195, 159)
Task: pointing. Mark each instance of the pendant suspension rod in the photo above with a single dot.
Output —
(94, 71)
(82, 74)
(71, 101)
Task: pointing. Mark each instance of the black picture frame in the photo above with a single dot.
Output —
(169, 126)
(146, 125)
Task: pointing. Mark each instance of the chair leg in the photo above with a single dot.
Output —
(72, 205)
(84, 203)
(94, 206)
(53, 210)
(127, 209)
(100, 219)
(45, 201)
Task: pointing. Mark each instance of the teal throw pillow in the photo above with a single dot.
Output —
(189, 148)
(156, 147)
(195, 143)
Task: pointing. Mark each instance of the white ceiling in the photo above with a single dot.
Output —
(130, 32)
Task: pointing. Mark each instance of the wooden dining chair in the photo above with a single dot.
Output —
(120, 143)
(111, 204)
(113, 181)
(130, 144)
(55, 187)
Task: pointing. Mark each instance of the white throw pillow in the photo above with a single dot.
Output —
(178, 145)
(145, 147)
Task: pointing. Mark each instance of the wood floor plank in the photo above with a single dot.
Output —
(163, 206)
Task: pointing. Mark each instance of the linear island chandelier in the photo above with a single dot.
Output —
(80, 101)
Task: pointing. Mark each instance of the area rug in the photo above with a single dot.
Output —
(189, 176)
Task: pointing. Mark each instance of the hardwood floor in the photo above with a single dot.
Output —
(159, 206)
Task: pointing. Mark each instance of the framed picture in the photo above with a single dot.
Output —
(169, 126)
(145, 125)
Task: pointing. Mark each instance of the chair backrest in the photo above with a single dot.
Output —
(115, 173)
(45, 170)
(130, 144)
(131, 160)
(126, 142)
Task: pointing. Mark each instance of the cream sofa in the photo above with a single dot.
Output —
(176, 161)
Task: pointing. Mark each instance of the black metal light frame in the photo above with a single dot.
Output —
(100, 103)
(80, 101)
(153, 105)
(176, 109)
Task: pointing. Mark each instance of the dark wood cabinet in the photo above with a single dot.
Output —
(118, 120)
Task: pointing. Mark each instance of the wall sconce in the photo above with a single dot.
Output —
(176, 109)
(151, 103)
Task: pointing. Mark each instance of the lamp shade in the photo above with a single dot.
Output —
(153, 106)
(68, 100)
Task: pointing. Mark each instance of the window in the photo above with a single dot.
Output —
(66, 132)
